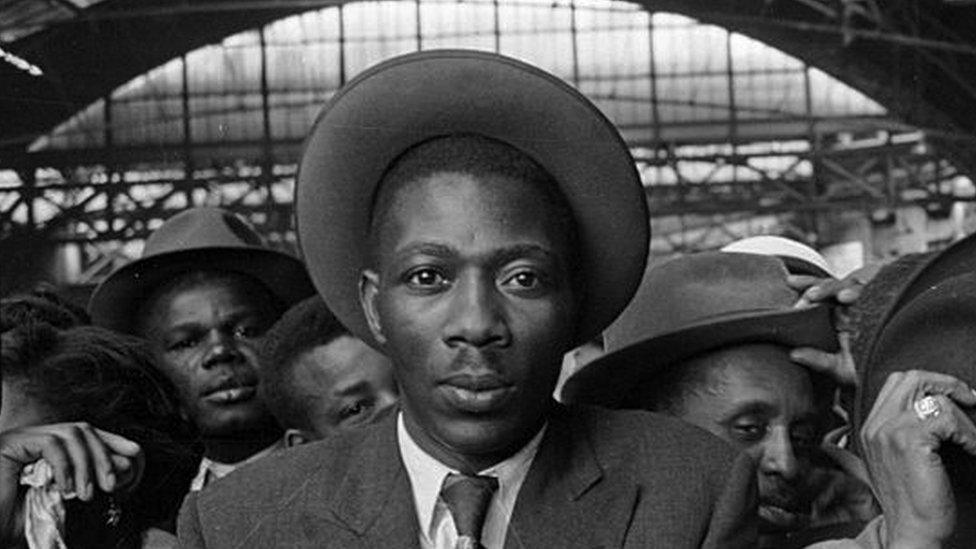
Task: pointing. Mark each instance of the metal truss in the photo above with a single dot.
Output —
(788, 192)
(700, 197)
(105, 201)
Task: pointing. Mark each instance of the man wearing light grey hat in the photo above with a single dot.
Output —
(204, 289)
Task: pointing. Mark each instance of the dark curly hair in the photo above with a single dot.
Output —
(42, 304)
(93, 375)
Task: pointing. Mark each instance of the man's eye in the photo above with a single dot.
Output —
(355, 409)
(749, 431)
(804, 437)
(526, 280)
(426, 278)
(246, 331)
(183, 343)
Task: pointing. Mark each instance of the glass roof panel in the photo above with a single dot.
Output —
(19, 18)
(639, 68)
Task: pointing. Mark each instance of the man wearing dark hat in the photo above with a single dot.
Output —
(475, 218)
(708, 339)
(204, 289)
(916, 403)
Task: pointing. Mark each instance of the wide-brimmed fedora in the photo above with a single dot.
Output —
(196, 239)
(413, 98)
(691, 305)
(926, 322)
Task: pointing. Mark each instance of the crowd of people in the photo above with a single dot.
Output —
(474, 351)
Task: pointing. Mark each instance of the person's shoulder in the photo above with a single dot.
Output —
(261, 501)
(650, 436)
(288, 471)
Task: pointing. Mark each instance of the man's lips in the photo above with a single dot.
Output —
(476, 393)
(230, 392)
(780, 515)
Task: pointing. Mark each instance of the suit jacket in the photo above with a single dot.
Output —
(601, 478)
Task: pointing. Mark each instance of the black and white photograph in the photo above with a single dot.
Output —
(488, 274)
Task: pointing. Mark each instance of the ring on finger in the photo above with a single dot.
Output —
(927, 407)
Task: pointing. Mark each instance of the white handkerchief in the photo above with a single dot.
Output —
(44, 512)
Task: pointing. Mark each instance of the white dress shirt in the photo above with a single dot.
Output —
(427, 476)
(211, 470)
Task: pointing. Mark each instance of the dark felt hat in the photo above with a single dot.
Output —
(691, 305)
(413, 98)
(928, 322)
(196, 239)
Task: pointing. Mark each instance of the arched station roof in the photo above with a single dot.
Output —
(917, 59)
(637, 67)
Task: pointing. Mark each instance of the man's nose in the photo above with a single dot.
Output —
(778, 457)
(476, 314)
(222, 349)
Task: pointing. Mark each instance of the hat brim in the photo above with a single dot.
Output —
(413, 98)
(610, 381)
(797, 266)
(116, 302)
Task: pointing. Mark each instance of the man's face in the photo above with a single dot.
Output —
(764, 404)
(204, 335)
(343, 384)
(472, 301)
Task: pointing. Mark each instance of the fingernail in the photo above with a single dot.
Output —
(88, 490)
(110, 480)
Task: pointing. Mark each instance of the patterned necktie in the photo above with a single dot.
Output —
(468, 497)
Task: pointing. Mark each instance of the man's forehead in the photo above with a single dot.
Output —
(335, 366)
(226, 295)
(754, 367)
(447, 208)
(409, 198)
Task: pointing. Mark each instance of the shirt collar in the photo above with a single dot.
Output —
(427, 474)
(211, 470)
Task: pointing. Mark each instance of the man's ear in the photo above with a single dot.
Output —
(296, 437)
(369, 289)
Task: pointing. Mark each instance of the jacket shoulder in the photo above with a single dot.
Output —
(257, 499)
(278, 470)
(652, 438)
(695, 489)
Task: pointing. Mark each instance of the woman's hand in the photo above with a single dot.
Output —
(915, 413)
(81, 457)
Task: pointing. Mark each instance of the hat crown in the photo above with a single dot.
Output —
(202, 228)
(700, 288)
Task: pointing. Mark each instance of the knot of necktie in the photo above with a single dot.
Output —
(468, 497)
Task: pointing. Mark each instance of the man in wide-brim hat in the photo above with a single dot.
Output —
(205, 287)
(475, 218)
(708, 339)
(916, 404)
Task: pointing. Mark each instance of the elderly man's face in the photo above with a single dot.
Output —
(204, 335)
(760, 401)
(472, 300)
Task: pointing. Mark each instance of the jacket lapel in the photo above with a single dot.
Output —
(568, 499)
(375, 499)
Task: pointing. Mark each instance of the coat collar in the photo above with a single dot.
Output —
(568, 490)
(374, 499)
